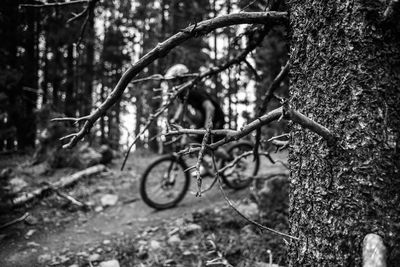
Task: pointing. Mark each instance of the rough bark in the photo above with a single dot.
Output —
(345, 75)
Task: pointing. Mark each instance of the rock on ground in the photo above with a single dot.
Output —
(110, 263)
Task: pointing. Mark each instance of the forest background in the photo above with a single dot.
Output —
(53, 65)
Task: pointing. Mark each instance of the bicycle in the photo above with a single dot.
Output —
(169, 172)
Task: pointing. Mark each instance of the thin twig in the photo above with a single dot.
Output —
(246, 6)
(267, 97)
(201, 155)
(66, 196)
(278, 136)
(17, 220)
(280, 145)
(180, 131)
(241, 214)
(253, 70)
(84, 118)
(89, 8)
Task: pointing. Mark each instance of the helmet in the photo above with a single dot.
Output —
(175, 71)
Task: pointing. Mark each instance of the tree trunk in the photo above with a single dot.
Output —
(89, 73)
(25, 124)
(45, 82)
(102, 118)
(344, 75)
(56, 81)
(10, 21)
(69, 109)
(215, 48)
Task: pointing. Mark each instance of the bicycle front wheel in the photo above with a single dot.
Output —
(164, 183)
(240, 174)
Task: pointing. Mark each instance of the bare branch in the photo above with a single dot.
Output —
(236, 135)
(155, 77)
(71, 119)
(89, 8)
(280, 145)
(239, 58)
(281, 112)
(278, 136)
(274, 85)
(180, 131)
(201, 154)
(252, 69)
(162, 49)
(67, 136)
(306, 122)
(263, 120)
(56, 4)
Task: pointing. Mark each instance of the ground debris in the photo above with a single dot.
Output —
(63, 182)
(109, 200)
(110, 263)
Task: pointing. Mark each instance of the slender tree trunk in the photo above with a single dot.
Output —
(89, 69)
(345, 74)
(102, 118)
(45, 81)
(215, 59)
(56, 81)
(10, 18)
(69, 94)
(26, 124)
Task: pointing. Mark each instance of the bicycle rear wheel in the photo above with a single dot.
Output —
(164, 183)
(240, 175)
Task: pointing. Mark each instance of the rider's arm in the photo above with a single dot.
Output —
(210, 110)
(177, 113)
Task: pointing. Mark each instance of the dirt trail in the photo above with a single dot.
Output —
(81, 231)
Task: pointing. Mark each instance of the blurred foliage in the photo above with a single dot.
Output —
(44, 65)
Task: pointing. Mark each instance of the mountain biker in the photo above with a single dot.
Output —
(201, 106)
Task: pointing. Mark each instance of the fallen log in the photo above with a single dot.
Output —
(63, 182)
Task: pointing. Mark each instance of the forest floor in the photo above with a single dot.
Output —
(198, 231)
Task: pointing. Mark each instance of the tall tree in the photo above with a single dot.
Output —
(113, 61)
(70, 101)
(345, 74)
(19, 67)
(89, 64)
